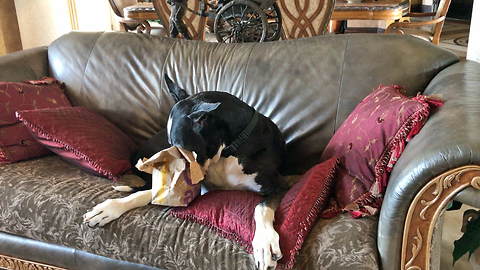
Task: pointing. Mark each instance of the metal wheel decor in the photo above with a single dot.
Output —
(241, 21)
(274, 22)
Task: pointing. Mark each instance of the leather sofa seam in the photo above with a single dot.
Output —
(88, 59)
(164, 65)
(246, 70)
(30, 67)
(75, 259)
(340, 85)
(33, 70)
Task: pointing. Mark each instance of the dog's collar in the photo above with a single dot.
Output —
(243, 137)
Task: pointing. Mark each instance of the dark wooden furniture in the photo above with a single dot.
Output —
(367, 10)
(427, 26)
(133, 16)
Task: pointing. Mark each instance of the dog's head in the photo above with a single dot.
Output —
(192, 124)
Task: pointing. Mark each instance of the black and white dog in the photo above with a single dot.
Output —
(239, 149)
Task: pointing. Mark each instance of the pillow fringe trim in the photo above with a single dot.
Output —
(217, 230)
(370, 202)
(67, 147)
(312, 216)
(5, 156)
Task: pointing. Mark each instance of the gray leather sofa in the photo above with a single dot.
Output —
(307, 87)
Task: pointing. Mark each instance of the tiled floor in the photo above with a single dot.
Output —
(451, 233)
(454, 37)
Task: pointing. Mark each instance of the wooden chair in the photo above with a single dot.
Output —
(427, 26)
(305, 18)
(195, 24)
(130, 24)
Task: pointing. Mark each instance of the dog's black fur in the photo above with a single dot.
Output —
(210, 119)
(206, 124)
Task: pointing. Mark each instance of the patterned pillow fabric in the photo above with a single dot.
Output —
(16, 142)
(83, 137)
(370, 141)
(230, 213)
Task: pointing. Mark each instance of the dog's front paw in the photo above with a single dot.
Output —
(266, 244)
(266, 248)
(103, 213)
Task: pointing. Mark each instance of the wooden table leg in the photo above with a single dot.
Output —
(337, 27)
(334, 26)
(343, 27)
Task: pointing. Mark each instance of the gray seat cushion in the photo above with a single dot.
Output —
(44, 199)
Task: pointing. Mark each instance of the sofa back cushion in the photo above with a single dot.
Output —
(308, 87)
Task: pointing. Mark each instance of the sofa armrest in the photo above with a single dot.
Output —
(24, 65)
(442, 160)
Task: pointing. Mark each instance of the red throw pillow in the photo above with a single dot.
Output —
(16, 142)
(230, 213)
(82, 137)
(370, 141)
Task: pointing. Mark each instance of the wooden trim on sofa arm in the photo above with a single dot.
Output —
(11, 263)
(425, 211)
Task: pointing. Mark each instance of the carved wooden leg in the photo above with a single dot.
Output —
(425, 210)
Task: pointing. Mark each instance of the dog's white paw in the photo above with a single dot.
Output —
(103, 213)
(112, 209)
(266, 246)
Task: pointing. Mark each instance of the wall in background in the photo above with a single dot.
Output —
(473, 52)
(42, 21)
(9, 32)
(98, 18)
(3, 49)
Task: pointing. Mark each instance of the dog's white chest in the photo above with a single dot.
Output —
(227, 173)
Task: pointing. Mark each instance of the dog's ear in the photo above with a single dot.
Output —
(200, 111)
(177, 92)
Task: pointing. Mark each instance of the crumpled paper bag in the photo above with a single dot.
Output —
(176, 176)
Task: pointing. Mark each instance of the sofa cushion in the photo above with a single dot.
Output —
(83, 137)
(16, 142)
(45, 199)
(370, 141)
(230, 213)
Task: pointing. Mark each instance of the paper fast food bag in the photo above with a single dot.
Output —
(176, 176)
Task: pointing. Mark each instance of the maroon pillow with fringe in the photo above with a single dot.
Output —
(83, 137)
(16, 142)
(230, 213)
(370, 141)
